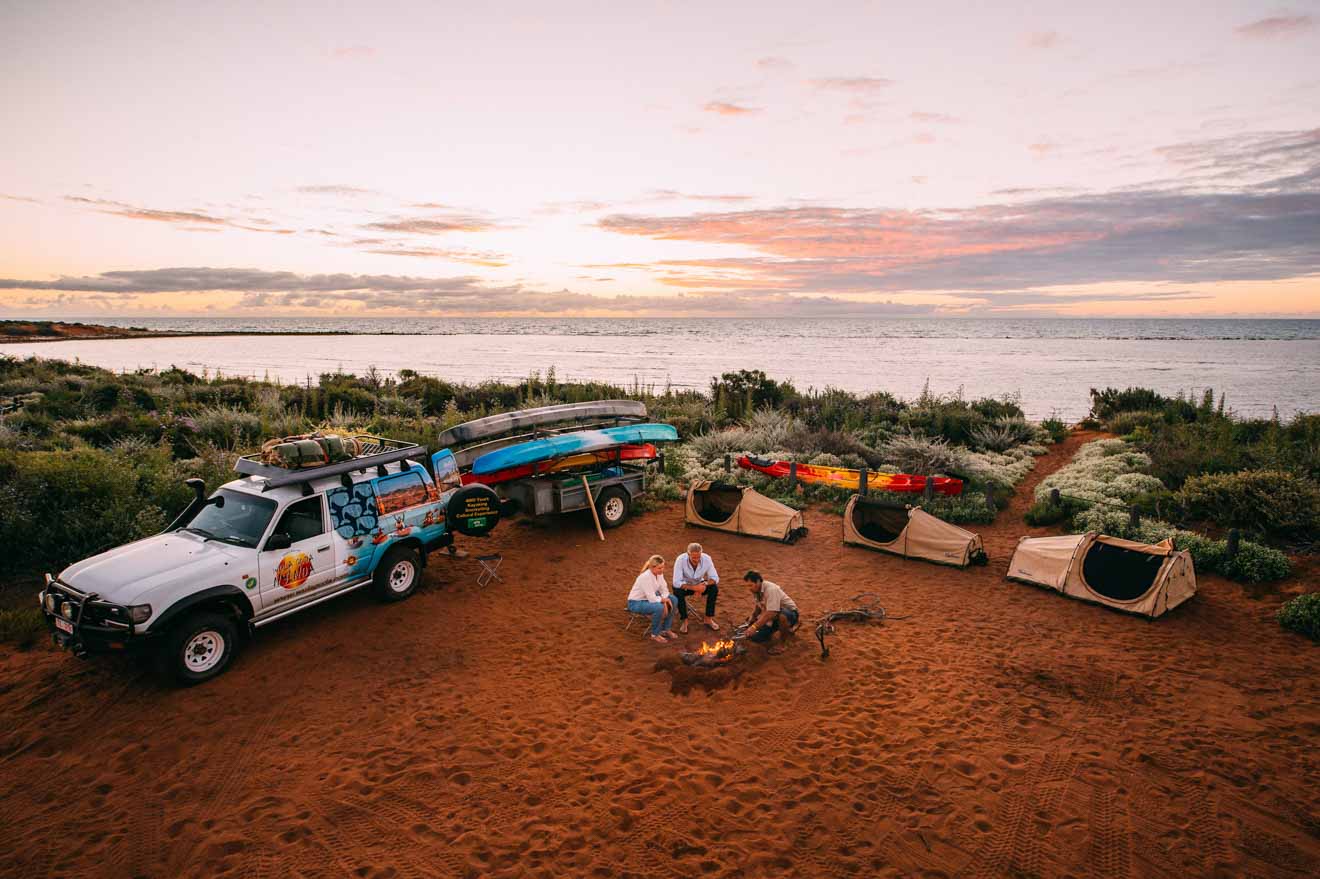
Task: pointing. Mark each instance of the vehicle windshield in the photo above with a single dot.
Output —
(241, 520)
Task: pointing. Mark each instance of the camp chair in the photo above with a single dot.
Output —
(490, 569)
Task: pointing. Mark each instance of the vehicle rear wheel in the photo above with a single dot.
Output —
(200, 647)
(398, 574)
(613, 505)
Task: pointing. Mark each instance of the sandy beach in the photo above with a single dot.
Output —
(519, 730)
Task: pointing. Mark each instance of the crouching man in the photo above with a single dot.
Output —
(775, 616)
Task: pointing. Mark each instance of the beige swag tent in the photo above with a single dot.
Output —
(742, 511)
(909, 532)
(1141, 578)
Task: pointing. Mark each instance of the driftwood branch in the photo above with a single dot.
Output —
(868, 609)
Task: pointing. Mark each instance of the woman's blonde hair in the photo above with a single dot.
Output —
(653, 560)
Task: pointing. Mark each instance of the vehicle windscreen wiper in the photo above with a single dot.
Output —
(205, 535)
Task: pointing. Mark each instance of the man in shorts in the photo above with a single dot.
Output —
(775, 613)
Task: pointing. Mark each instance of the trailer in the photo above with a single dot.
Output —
(597, 432)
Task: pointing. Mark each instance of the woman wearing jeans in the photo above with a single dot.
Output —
(650, 596)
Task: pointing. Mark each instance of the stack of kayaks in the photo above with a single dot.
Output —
(842, 477)
(640, 452)
(569, 450)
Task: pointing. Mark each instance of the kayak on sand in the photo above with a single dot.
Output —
(842, 477)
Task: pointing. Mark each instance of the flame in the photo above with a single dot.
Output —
(716, 649)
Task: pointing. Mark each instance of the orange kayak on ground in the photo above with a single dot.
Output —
(842, 477)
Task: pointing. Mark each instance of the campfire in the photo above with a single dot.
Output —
(713, 655)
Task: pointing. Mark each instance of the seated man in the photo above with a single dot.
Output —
(775, 613)
(695, 574)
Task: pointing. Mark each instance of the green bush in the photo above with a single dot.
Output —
(23, 627)
(1055, 427)
(61, 506)
(1272, 503)
(1302, 615)
(1045, 512)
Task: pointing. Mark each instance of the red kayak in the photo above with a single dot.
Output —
(639, 452)
(842, 477)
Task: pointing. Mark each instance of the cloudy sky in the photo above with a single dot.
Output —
(660, 158)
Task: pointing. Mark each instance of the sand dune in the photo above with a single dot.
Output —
(520, 731)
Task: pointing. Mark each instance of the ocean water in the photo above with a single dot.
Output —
(1048, 364)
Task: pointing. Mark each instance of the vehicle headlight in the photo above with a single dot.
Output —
(139, 613)
(67, 610)
(49, 602)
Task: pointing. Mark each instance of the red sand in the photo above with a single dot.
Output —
(519, 730)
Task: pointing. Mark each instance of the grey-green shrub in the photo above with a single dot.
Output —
(1270, 502)
(1302, 615)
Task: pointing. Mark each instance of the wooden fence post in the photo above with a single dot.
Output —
(792, 476)
(1134, 518)
(1234, 542)
(1055, 498)
(728, 462)
(929, 492)
(861, 482)
(990, 497)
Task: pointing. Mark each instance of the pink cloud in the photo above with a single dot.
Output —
(354, 52)
(1276, 26)
(940, 118)
(1043, 40)
(856, 84)
(724, 108)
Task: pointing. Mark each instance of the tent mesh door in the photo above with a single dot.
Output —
(881, 524)
(717, 503)
(1120, 574)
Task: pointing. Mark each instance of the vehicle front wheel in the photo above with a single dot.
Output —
(200, 647)
(398, 574)
(613, 504)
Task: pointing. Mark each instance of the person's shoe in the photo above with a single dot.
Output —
(710, 621)
(659, 639)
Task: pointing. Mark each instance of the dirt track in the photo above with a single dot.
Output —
(519, 730)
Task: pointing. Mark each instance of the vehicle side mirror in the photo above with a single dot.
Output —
(216, 501)
(278, 540)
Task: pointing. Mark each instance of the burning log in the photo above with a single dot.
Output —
(714, 655)
(869, 609)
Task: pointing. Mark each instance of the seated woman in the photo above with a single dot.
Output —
(650, 596)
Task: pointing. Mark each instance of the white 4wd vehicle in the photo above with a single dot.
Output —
(263, 547)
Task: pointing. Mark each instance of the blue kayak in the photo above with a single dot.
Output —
(563, 444)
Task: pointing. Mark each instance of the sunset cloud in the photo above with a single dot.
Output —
(334, 189)
(1275, 26)
(432, 226)
(723, 108)
(1043, 39)
(188, 221)
(1268, 230)
(863, 85)
(938, 118)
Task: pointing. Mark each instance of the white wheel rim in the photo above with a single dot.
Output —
(614, 509)
(401, 576)
(204, 651)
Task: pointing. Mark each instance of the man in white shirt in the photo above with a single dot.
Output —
(775, 613)
(695, 574)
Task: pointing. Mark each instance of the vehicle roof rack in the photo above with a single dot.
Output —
(377, 451)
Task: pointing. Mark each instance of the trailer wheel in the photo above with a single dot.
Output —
(613, 505)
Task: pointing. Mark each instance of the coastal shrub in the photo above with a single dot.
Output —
(228, 427)
(1104, 471)
(1126, 423)
(1274, 503)
(110, 429)
(1055, 428)
(921, 455)
(967, 508)
(60, 506)
(1004, 434)
(1302, 615)
(1001, 470)
(22, 626)
(1046, 512)
(747, 390)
